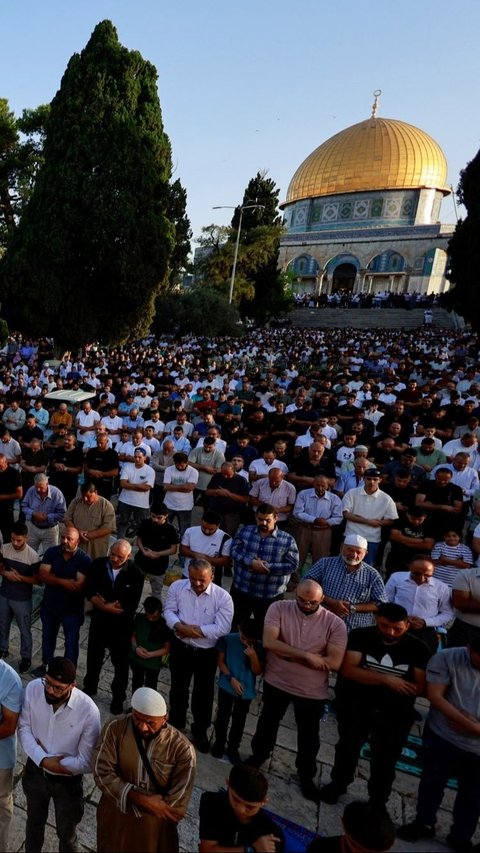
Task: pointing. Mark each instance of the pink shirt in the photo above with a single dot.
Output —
(309, 633)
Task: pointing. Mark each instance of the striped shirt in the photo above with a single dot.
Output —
(361, 586)
(279, 550)
(448, 574)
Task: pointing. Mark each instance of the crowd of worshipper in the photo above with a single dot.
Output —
(295, 515)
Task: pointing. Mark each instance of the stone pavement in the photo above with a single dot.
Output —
(284, 793)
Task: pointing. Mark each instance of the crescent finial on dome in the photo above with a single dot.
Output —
(376, 95)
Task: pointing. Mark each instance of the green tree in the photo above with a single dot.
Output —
(177, 214)
(464, 249)
(263, 224)
(199, 311)
(93, 246)
(259, 286)
(21, 155)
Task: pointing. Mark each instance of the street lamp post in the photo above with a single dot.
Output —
(237, 241)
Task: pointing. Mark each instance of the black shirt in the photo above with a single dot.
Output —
(158, 537)
(398, 659)
(9, 482)
(443, 495)
(304, 468)
(126, 588)
(219, 823)
(102, 460)
(237, 484)
(400, 555)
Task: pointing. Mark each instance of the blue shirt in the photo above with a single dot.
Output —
(361, 586)
(11, 698)
(57, 599)
(238, 665)
(279, 550)
(53, 504)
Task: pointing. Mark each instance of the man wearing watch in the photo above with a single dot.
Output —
(352, 589)
(234, 819)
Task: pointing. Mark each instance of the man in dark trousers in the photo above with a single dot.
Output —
(114, 586)
(10, 491)
(382, 674)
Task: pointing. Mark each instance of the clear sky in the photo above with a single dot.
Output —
(259, 84)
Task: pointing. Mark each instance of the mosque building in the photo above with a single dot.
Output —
(362, 213)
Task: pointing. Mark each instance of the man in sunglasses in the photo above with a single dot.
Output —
(58, 729)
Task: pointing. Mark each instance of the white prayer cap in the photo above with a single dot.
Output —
(147, 701)
(358, 541)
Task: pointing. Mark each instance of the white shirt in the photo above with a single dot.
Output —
(220, 444)
(113, 426)
(430, 601)
(416, 441)
(179, 501)
(376, 505)
(216, 545)
(212, 611)
(86, 419)
(72, 731)
(260, 467)
(158, 426)
(308, 439)
(153, 444)
(187, 428)
(139, 477)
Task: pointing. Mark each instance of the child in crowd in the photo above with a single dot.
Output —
(367, 828)
(450, 556)
(150, 643)
(240, 660)
(235, 820)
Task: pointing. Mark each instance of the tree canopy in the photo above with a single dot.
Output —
(198, 311)
(259, 285)
(21, 155)
(94, 243)
(464, 249)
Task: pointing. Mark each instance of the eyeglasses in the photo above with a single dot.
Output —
(56, 689)
(306, 603)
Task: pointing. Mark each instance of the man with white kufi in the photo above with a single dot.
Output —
(352, 589)
(145, 769)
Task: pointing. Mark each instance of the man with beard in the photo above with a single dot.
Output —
(382, 674)
(58, 729)
(140, 807)
(304, 642)
(352, 589)
(63, 570)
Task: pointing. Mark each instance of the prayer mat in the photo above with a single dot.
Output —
(297, 838)
(410, 760)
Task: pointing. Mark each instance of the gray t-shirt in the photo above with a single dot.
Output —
(454, 668)
(468, 580)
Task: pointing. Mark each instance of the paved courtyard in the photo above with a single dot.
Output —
(284, 794)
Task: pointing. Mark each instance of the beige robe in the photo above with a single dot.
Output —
(92, 517)
(118, 767)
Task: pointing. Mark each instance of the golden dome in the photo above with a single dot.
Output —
(376, 154)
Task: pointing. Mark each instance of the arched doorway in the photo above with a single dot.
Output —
(344, 278)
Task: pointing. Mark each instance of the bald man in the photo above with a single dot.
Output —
(296, 672)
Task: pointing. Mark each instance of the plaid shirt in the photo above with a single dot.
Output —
(361, 586)
(279, 550)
